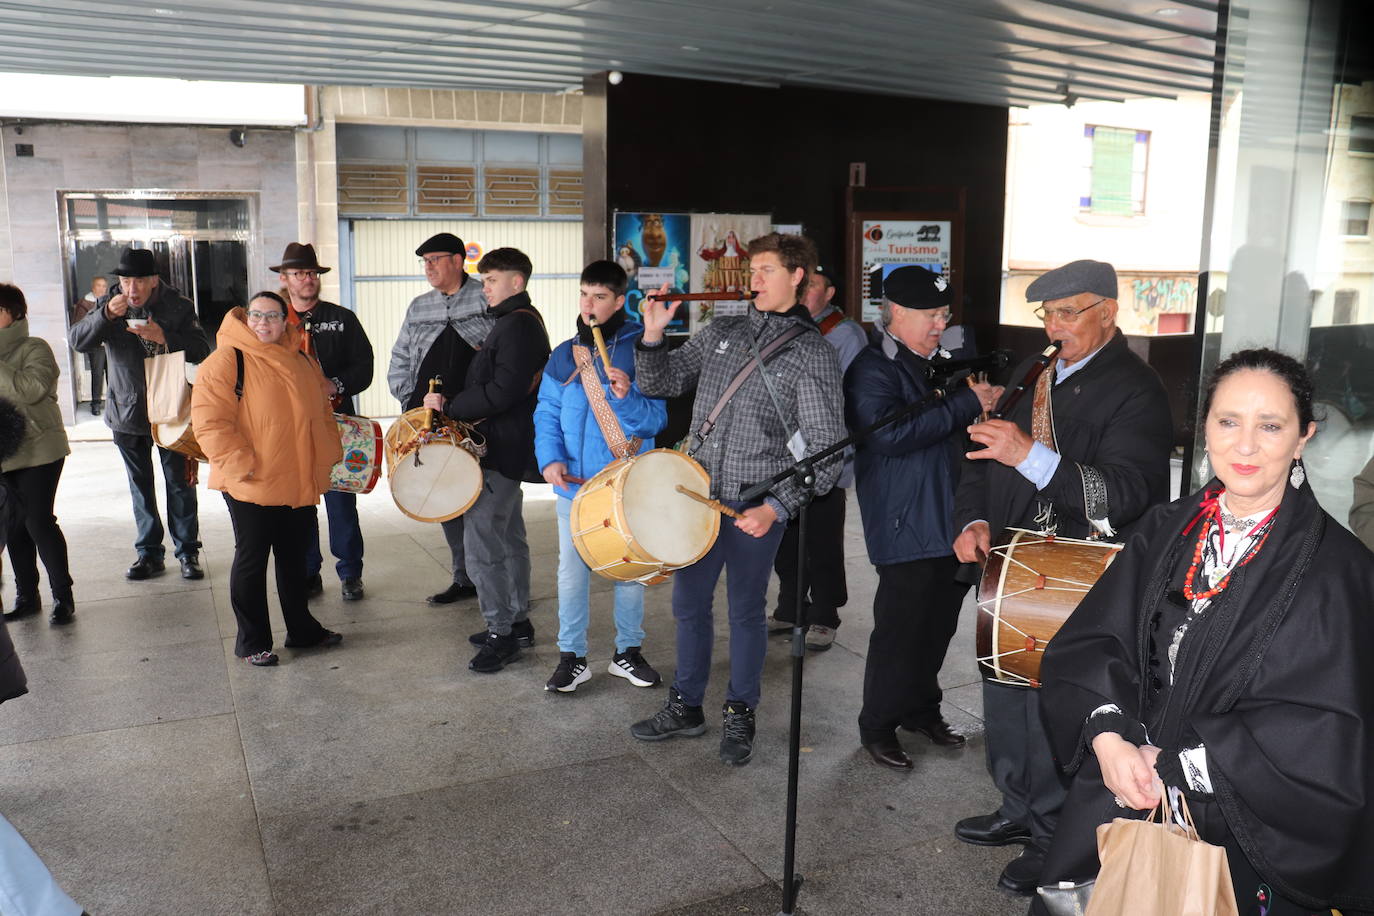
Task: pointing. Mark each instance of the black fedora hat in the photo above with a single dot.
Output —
(299, 257)
(136, 262)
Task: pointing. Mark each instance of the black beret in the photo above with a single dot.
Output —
(446, 242)
(1096, 277)
(917, 288)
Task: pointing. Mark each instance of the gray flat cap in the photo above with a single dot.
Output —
(1096, 277)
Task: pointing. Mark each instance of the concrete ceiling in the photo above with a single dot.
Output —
(1001, 52)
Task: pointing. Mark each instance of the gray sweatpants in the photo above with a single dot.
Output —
(498, 557)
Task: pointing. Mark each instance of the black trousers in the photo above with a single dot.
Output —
(96, 360)
(1021, 760)
(283, 532)
(915, 614)
(823, 570)
(34, 531)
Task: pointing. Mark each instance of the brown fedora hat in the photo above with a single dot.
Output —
(299, 257)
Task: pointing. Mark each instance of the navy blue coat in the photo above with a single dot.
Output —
(905, 473)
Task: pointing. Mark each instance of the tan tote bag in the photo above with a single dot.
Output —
(169, 394)
(1158, 868)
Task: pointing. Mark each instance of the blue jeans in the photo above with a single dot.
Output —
(748, 562)
(345, 537)
(137, 452)
(574, 579)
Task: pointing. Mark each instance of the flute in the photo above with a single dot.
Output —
(704, 297)
(1041, 363)
(600, 343)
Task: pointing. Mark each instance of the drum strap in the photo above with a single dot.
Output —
(768, 352)
(620, 445)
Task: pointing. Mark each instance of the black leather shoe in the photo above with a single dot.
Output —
(522, 630)
(97, 407)
(190, 568)
(24, 606)
(353, 589)
(314, 586)
(889, 753)
(939, 732)
(991, 830)
(145, 568)
(63, 612)
(1022, 874)
(454, 592)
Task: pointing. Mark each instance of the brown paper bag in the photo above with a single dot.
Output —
(169, 394)
(1154, 868)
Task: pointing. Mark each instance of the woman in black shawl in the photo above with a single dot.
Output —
(1225, 654)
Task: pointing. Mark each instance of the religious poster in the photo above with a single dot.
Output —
(654, 249)
(720, 260)
(889, 244)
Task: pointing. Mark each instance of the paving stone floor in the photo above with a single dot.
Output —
(155, 773)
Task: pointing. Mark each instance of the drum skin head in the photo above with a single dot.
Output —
(673, 528)
(443, 485)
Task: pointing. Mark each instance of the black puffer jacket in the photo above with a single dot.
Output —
(13, 683)
(502, 388)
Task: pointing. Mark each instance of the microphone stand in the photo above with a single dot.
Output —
(804, 472)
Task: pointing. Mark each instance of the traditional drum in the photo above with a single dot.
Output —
(179, 438)
(361, 465)
(434, 473)
(1030, 586)
(630, 524)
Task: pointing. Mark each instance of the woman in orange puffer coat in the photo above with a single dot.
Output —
(271, 439)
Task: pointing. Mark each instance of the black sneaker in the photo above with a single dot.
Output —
(737, 734)
(495, 654)
(327, 641)
(454, 592)
(522, 630)
(314, 586)
(632, 667)
(675, 718)
(571, 671)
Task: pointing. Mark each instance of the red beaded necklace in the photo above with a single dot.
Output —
(1211, 512)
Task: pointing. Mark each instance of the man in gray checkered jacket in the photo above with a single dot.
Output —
(792, 408)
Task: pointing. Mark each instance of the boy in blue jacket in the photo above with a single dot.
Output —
(569, 443)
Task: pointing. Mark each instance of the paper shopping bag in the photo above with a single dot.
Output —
(1158, 868)
(169, 394)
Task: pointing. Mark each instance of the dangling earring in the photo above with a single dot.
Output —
(1206, 468)
(1297, 476)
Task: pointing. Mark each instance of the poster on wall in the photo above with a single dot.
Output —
(720, 261)
(887, 244)
(654, 248)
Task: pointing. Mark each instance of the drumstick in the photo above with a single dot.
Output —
(434, 385)
(600, 343)
(707, 501)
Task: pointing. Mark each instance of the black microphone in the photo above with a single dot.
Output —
(989, 362)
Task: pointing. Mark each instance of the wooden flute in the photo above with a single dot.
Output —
(704, 297)
(600, 342)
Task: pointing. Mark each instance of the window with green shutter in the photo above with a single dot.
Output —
(1116, 164)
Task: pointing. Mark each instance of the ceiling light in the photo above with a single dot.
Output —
(690, 48)
(1168, 11)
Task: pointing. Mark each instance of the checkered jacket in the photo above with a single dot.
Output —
(749, 441)
(429, 313)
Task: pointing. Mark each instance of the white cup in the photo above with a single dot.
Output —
(137, 322)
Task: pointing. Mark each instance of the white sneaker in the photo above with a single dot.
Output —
(819, 638)
(779, 626)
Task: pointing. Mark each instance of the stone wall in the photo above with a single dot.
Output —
(91, 157)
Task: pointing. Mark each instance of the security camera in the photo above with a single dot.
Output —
(238, 136)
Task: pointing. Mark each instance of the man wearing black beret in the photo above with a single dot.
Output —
(905, 475)
(440, 334)
(1084, 456)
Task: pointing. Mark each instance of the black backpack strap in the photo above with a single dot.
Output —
(238, 385)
